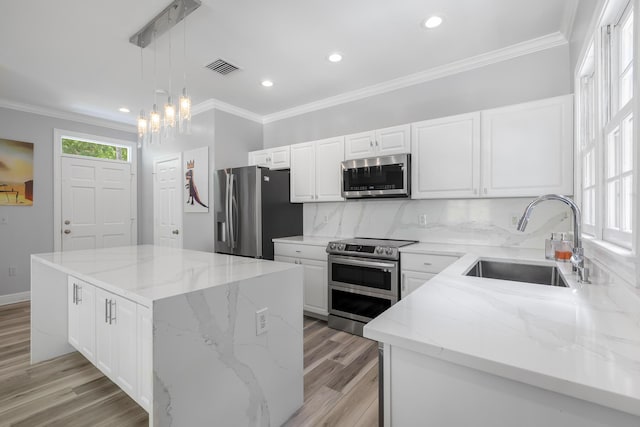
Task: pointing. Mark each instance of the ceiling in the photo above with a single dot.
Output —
(75, 56)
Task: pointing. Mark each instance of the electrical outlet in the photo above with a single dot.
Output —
(262, 325)
(4, 219)
(422, 219)
(326, 219)
(515, 218)
(12, 271)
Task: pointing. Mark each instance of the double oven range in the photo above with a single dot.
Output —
(364, 280)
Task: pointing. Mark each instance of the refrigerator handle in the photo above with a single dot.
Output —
(234, 213)
(227, 206)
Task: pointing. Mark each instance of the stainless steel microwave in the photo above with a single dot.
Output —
(387, 176)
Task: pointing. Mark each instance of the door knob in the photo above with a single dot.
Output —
(67, 231)
(67, 222)
(176, 232)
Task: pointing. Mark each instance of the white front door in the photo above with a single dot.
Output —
(96, 204)
(167, 201)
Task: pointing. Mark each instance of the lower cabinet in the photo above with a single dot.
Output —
(116, 335)
(316, 277)
(417, 269)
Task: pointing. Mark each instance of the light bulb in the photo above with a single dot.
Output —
(154, 124)
(143, 125)
(184, 113)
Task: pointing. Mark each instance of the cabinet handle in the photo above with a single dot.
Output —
(376, 143)
(74, 293)
(371, 144)
(78, 294)
(106, 310)
(427, 263)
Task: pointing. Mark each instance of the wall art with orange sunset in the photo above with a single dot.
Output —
(16, 173)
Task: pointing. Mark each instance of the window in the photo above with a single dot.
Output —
(606, 149)
(95, 149)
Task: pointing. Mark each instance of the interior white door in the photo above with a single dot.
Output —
(96, 204)
(167, 201)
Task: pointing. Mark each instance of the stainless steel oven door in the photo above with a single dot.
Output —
(365, 274)
(358, 305)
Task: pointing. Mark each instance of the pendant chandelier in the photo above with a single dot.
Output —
(164, 124)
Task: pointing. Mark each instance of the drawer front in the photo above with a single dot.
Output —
(301, 251)
(427, 263)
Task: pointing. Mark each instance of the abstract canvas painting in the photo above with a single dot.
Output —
(196, 167)
(16, 173)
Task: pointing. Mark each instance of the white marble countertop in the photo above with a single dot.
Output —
(582, 341)
(147, 273)
(305, 240)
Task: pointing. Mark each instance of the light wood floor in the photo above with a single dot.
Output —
(340, 382)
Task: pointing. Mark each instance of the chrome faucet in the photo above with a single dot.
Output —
(577, 257)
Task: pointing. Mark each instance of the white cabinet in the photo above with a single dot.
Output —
(445, 157)
(116, 338)
(316, 279)
(145, 357)
(272, 158)
(381, 142)
(81, 317)
(417, 269)
(516, 151)
(527, 149)
(316, 171)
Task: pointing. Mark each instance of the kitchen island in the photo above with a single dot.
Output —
(195, 338)
(466, 350)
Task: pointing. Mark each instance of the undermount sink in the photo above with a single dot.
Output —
(527, 273)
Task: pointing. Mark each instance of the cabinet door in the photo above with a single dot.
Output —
(145, 357)
(124, 321)
(359, 145)
(303, 172)
(328, 177)
(105, 335)
(393, 140)
(412, 280)
(445, 157)
(259, 158)
(73, 314)
(279, 158)
(87, 320)
(316, 289)
(527, 149)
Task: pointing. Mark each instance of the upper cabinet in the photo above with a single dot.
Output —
(527, 149)
(516, 151)
(272, 158)
(316, 170)
(445, 157)
(381, 142)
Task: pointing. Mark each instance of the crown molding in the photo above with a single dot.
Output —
(67, 115)
(520, 49)
(569, 18)
(216, 104)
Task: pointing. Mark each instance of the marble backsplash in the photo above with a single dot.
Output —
(470, 221)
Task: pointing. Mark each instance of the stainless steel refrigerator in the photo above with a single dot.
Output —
(252, 207)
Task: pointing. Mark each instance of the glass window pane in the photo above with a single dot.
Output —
(626, 87)
(626, 41)
(612, 205)
(94, 149)
(588, 208)
(627, 207)
(627, 144)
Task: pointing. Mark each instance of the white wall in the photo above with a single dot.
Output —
(30, 228)
(229, 139)
(535, 76)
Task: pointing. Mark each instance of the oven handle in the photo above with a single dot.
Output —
(362, 263)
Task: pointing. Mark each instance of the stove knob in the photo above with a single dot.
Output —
(388, 251)
(379, 250)
(332, 246)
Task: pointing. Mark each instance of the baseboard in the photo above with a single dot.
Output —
(13, 298)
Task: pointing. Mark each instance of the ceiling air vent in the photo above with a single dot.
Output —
(221, 66)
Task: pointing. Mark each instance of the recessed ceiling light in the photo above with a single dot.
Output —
(124, 110)
(335, 57)
(432, 22)
(267, 83)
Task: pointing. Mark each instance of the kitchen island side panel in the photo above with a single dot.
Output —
(209, 364)
(49, 308)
